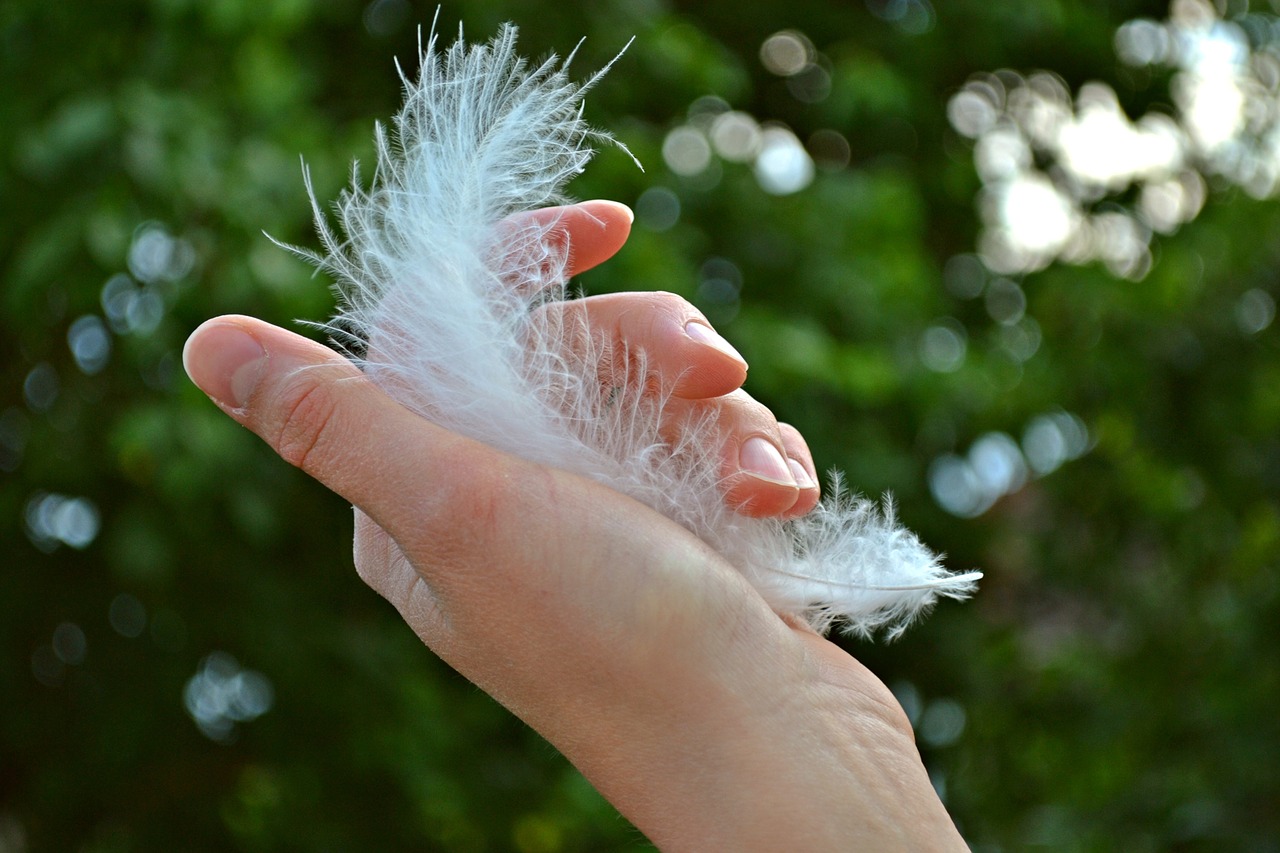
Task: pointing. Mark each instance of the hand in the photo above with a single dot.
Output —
(706, 719)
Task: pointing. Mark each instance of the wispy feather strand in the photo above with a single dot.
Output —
(450, 308)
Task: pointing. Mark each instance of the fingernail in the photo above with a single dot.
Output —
(704, 334)
(226, 362)
(759, 458)
(803, 480)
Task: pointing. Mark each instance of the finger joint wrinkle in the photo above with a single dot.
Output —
(307, 423)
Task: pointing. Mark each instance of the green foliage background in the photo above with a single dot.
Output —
(1117, 672)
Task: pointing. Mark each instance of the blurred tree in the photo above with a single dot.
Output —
(189, 659)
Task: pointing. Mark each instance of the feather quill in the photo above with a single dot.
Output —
(449, 308)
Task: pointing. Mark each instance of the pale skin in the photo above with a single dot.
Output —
(708, 720)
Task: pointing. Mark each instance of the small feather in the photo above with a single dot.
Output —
(444, 305)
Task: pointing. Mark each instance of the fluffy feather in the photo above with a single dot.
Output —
(449, 308)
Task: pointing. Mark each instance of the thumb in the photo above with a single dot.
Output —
(321, 414)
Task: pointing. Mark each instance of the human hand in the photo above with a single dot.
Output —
(704, 717)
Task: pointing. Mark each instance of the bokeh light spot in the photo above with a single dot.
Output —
(736, 136)
(783, 166)
(1255, 311)
(384, 18)
(658, 209)
(1034, 214)
(1050, 440)
(131, 307)
(830, 150)
(787, 52)
(1142, 42)
(53, 519)
(913, 17)
(810, 85)
(156, 255)
(967, 486)
(40, 387)
(971, 114)
(942, 723)
(999, 464)
(222, 694)
(1005, 301)
(686, 151)
(943, 346)
(90, 343)
(70, 644)
(1021, 339)
(955, 487)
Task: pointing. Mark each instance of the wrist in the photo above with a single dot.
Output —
(820, 766)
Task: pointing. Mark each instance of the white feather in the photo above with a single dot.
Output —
(445, 305)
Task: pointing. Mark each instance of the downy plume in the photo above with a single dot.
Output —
(449, 307)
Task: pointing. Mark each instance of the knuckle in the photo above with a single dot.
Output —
(673, 304)
(666, 297)
(748, 414)
(308, 423)
(793, 440)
